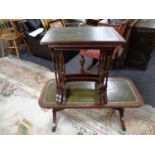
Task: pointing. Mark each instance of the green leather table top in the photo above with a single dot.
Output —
(81, 36)
(121, 92)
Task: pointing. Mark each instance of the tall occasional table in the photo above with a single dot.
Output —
(67, 89)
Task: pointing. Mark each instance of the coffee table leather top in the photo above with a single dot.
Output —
(121, 92)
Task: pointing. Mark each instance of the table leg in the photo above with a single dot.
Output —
(82, 62)
(121, 113)
(103, 73)
(54, 123)
(59, 68)
(54, 120)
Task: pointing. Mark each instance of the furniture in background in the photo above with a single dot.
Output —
(141, 44)
(95, 53)
(48, 23)
(45, 23)
(85, 89)
(74, 22)
(93, 22)
(139, 35)
(56, 23)
(9, 34)
(30, 25)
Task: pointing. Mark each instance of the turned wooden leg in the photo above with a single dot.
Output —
(16, 48)
(2, 48)
(121, 112)
(62, 96)
(105, 98)
(82, 62)
(54, 120)
(26, 45)
(102, 95)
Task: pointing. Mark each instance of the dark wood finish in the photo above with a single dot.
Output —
(54, 120)
(141, 44)
(61, 39)
(82, 37)
(118, 90)
(54, 124)
(121, 114)
(76, 99)
(92, 22)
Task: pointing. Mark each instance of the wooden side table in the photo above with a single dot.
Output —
(61, 39)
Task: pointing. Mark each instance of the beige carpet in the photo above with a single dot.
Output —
(20, 85)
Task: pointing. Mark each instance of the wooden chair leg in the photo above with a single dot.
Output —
(16, 48)
(26, 45)
(121, 112)
(2, 48)
(11, 44)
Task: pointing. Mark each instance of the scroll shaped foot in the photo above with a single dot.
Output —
(121, 112)
(54, 120)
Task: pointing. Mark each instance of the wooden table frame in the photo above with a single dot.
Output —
(120, 110)
(100, 78)
(59, 41)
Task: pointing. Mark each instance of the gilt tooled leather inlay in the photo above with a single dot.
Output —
(120, 92)
(83, 35)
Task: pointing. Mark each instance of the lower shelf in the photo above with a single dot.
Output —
(121, 93)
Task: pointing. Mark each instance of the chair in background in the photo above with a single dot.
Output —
(93, 22)
(10, 35)
(42, 51)
(45, 23)
(95, 54)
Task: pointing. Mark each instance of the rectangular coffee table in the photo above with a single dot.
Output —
(121, 94)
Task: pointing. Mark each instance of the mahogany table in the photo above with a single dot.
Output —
(64, 39)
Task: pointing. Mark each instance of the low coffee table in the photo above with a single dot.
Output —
(121, 94)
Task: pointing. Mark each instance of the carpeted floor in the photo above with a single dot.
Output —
(20, 86)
